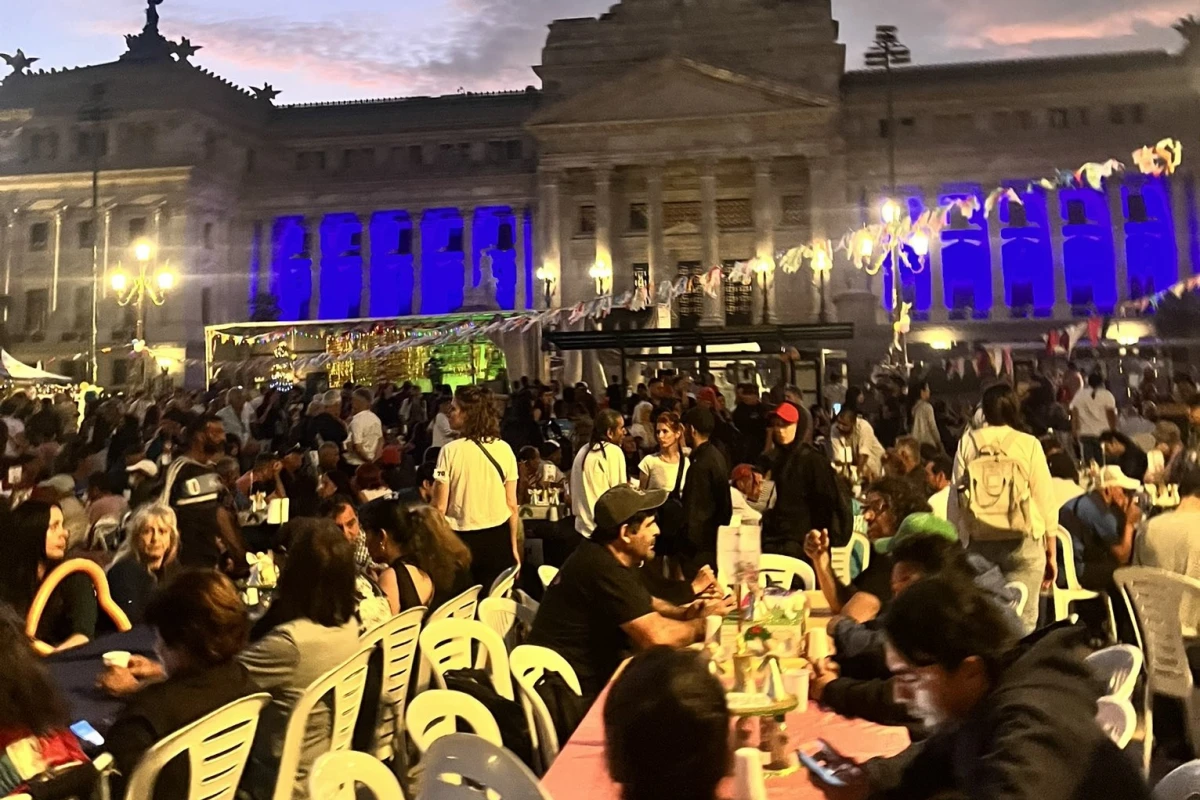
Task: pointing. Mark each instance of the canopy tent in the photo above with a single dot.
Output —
(15, 371)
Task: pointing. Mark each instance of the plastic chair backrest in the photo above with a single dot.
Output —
(546, 575)
(502, 615)
(461, 607)
(1118, 667)
(1118, 720)
(459, 763)
(436, 713)
(217, 747)
(448, 645)
(1066, 549)
(842, 558)
(780, 570)
(503, 585)
(1022, 595)
(529, 663)
(525, 600)
(334, 776)
(398, 639)
(103, 597)
(1181, 784)
(1155, 597)
(346, 684)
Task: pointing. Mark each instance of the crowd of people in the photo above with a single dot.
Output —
(400, 498)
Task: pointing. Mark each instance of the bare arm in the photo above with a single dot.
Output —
(514, 519)
(391, 589)
(654, 629)
(862, 607)
(441, 496)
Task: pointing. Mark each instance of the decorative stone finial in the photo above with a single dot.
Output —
(1189, 28)
(265, 92)
(184, 49)
(19, 62)
(150, 44)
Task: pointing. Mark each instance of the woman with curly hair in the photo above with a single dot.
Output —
(429, 564)
(475, 485)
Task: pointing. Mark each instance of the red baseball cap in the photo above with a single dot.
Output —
(787, 412)
(707, 393)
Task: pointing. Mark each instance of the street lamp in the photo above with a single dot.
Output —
(546, 276)
(763, 267)
(602, 274)
(822, 264)
(148, 284)
(95, 113)
(888, 51)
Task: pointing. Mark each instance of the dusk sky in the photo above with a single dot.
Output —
(316, 51)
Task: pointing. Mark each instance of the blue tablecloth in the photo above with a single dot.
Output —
(75, 672)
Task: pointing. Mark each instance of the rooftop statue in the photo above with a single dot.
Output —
(19, 62)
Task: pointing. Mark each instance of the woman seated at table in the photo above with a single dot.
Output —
(201, 626)
(309, 629)
(666, 728)
(147, 559)
(429, 564)
(34, 719)
(33, 544)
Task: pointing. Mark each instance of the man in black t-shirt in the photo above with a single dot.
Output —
(596, 610)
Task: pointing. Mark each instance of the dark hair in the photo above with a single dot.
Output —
(425, 473)
(854, 396)
(607, 535)
(32, 701)
(606, 421)
(942, 621)
(546, 449)
(847, 413)
(701, 420)
(197, 425)
(423, 535)
(1096, 382)
(1110, 435)
(480, 422)
(101, 482)
(942, 464)
(1000, 407)
(666, 726)
(904, 497)
(200, 613)
(317, 581)
(334, 506)
(528, 453)
(929, 553)
(1061, 466)
(22, 550)
(1189, 477)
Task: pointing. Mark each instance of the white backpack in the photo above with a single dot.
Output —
(995, 494)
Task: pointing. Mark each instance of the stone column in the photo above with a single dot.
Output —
(108, 212)
(999, 309)
(656, 249)
(10, 246)
(415, 218)
(603, 199)
(549, 230)
(1054, 213)
(938, 307)
(315, 254)
(1116, 213)
(764, 234)
(710, 246)
(522, 291)
(58, 226)
(364, 303)
(1181, 215)
(468, 247)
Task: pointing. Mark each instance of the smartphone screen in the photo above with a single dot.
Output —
(837, 409)
(84, 731)
(823, 764)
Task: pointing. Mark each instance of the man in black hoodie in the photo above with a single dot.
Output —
(1013, 720)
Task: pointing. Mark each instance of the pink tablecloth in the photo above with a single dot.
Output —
(579, 773)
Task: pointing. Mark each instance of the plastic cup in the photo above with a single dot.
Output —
(795, 683)
(818, 645)
(114, 659)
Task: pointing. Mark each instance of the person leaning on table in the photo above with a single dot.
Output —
(597, 608)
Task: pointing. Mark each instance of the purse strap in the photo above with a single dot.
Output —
(495, 463)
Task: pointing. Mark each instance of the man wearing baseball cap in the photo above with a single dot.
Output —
(597, 609)
(805, 494)
(1102, 525)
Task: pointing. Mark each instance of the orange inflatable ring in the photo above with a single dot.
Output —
(103, 597)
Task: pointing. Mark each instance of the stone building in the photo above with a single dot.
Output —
(668, 137)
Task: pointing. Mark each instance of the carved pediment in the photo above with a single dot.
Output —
(676, 88)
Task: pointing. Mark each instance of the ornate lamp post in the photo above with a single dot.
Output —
(148, 284)
(888, 51)
(546, 276)
(822, 264)
(602, 274)
(763, 267)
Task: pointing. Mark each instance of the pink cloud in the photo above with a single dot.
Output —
(1070, 26)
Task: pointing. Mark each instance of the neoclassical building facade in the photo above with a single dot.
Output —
(667, 138)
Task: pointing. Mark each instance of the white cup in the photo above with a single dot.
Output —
(116, 658)
(712, 629)
(818, 645)
(795, 683)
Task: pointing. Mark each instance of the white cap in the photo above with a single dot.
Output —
(145, 466)
(1112, 475)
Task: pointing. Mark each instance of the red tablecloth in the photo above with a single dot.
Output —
(579, 773)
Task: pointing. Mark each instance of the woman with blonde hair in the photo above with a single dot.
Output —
(147, 559)
(429, 564)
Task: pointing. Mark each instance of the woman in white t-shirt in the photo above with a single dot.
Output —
(475, 485)
(660, 470)
(1093, 411)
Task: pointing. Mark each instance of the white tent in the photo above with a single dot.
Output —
(17, 372)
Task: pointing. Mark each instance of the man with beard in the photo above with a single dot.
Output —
(805, 495)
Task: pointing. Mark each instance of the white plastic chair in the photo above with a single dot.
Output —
(1063, 598)
(217, 747)
(1181, 784)
(1022, 594)
(398, 639)
(503, 585)
(447, 645)
(502, 615)
(457, 764)
(334, 776)
(346, 685)
(437, 712)
(529, 663)
(525, 600)
(1118, 667)
(780, 570)
(462, 607)
(1154, 598)
(842, 560)
(546, 575)
(1118, 720)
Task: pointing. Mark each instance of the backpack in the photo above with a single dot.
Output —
(509, 715)
(995, 494)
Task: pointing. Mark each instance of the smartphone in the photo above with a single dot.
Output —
(837, 409)
(84, 731)
(824, 763)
